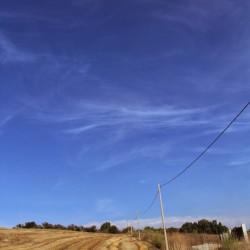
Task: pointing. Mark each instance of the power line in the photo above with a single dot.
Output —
(151, 204)
(209, 146)
(196, 159)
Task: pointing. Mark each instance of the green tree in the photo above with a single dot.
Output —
(47, 225)
(91, 229)
(203, 226)
(113, 229)
(71, 227)
(30, 224)
(126, 230)
(187, 227)
(58, 227)
(19, 226)
(105, 227)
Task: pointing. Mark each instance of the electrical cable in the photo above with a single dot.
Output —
(151, 204)
(196, 159)
(209, 146)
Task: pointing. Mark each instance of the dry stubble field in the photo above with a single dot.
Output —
(20, 239)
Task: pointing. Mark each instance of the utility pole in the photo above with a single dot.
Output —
(162, 216)
(138, 223)
(131, 228)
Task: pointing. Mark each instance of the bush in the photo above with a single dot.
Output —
(91, 229)
(47, 225)
(58, 227)
(203, 226)
(157, 241)
(113, 229)
(19, 226)
(105, 227)
(31, 224)
(126, 230)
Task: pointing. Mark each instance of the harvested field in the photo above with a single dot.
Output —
(34, 239)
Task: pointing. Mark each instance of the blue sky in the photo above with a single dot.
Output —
(102, 100)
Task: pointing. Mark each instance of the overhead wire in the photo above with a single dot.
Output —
(151, 204)
(149, 207)
(196, 159)
(209, 146)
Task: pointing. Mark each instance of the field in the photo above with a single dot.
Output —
(34, 239)
(179, 241)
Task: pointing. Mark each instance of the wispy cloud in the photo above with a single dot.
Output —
(240, 162)
(197, 16)
(58, 184)
(174, 18)
(114, 161)
(25, 16)
(83, 128)
(117, 123)
(5, 120)
(91, 115)
(218, 150)
(86, 116)
(8, 114)
(9, 53)
(108, 207)
(160, 150)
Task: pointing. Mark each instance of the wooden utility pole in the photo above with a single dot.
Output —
(162, 216)
(138, 223)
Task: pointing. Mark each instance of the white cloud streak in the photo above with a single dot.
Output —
(6, 115)
(116, 122)
(114, 161)
(197, 16)
(6, 120)
(93, 115)
(82, 129)
(10, 54)
(86, 116)
(241, 162)
(151, 151)
(108, 207)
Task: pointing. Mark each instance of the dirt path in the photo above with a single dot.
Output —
(123, 243)
(24, 239)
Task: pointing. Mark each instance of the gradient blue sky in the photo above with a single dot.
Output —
(102, 100)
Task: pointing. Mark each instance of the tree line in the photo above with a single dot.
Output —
(105, 227)
(202, 226)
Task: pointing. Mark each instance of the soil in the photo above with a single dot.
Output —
(34, 239)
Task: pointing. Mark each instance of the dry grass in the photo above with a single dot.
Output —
(179, 241)
(40, 239)
(189, 240)
(232, 244)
